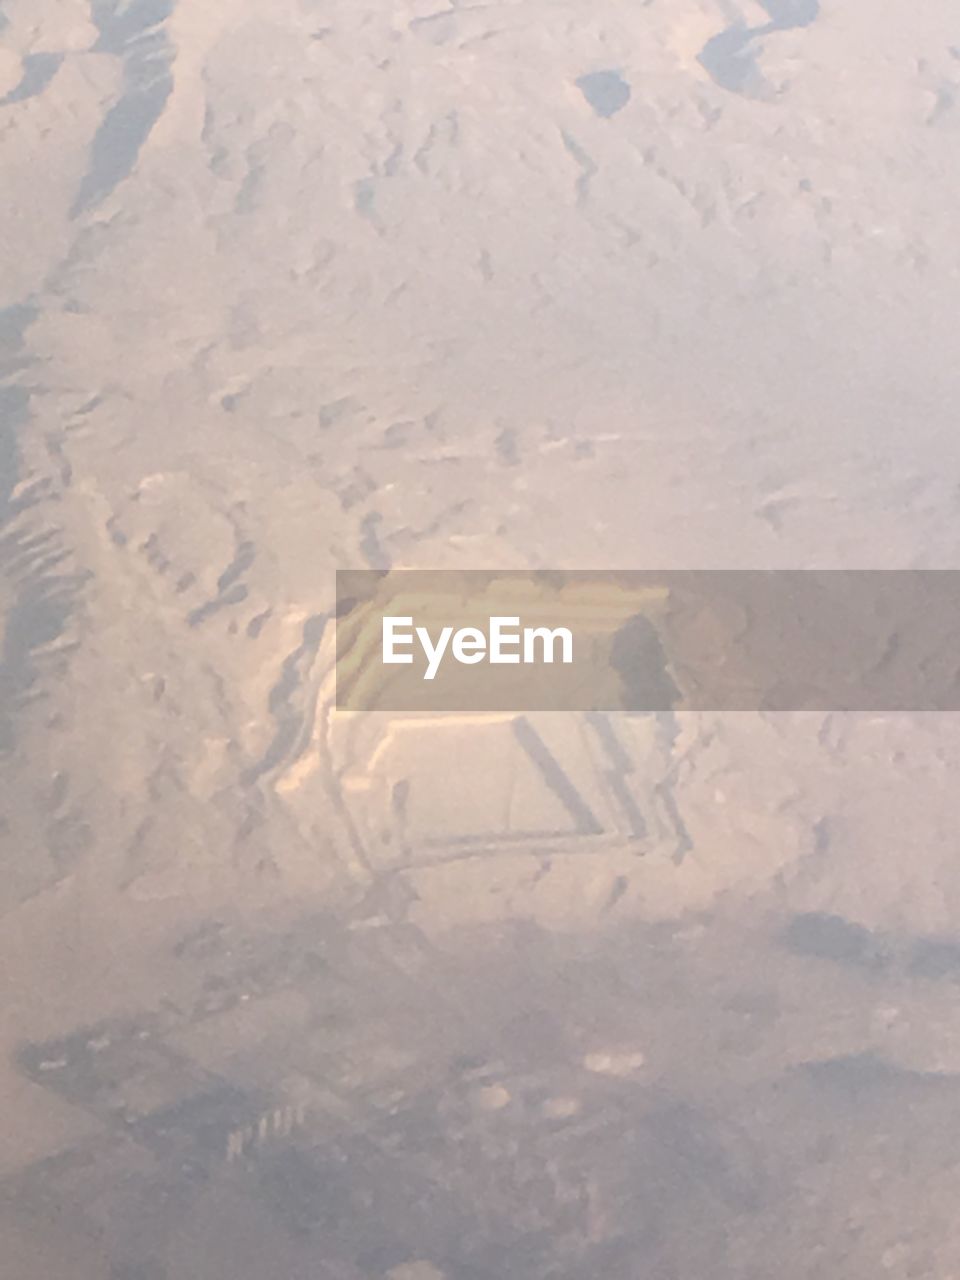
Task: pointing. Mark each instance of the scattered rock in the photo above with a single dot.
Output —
(493, 1097)
(415, 1271)
(606, 91)
(619, 1064)
(561, 1108)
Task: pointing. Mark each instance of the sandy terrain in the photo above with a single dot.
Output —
(526, 283)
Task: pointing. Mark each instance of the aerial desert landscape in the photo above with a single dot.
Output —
(300, 993)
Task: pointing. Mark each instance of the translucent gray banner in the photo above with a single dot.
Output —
(778, 640)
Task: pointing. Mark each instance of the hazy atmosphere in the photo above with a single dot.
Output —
(298, 286)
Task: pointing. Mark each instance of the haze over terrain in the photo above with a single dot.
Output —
(583, 284)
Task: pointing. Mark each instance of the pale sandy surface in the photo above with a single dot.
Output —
(292, 286)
